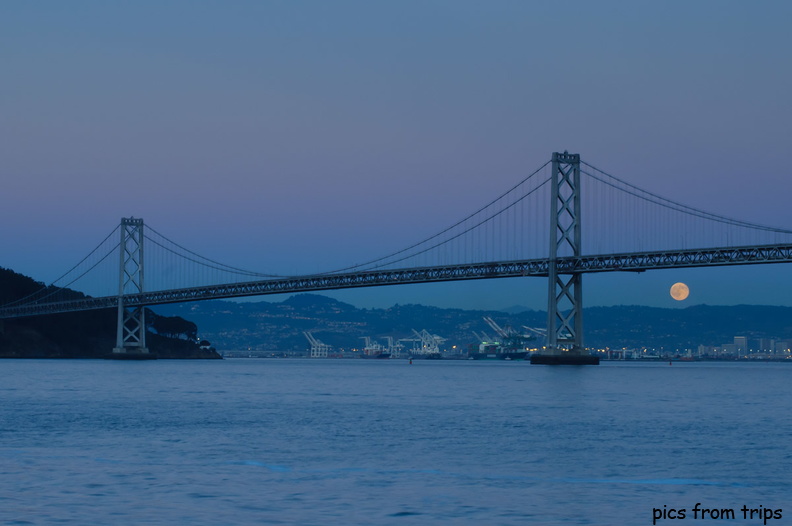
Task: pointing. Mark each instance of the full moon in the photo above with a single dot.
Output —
(679, 291)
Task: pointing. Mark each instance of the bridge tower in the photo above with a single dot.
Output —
(131, 335)
(565, 292)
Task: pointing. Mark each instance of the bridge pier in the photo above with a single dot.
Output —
(131, 333)
(565, 292)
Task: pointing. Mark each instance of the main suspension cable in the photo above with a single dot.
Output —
(83, 260)
(679, 207)
(483, 221)
(470, 216)
(214, 264)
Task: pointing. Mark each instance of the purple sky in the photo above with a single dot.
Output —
(293, 137)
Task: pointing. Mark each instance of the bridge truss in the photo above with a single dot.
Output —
(637, 262)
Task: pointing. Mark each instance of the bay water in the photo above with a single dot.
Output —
(386, 442)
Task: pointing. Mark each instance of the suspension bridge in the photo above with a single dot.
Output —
(535, 228)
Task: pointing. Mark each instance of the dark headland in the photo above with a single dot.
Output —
(89, 334)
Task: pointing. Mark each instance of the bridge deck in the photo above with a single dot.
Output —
(632, 262)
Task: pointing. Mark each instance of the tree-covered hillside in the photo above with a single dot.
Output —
(90, 334)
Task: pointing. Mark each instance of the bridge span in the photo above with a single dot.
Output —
(518, 222)
(639, 262)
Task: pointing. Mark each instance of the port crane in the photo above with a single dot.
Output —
(541, 333)
(482, 337)
(503, 333)
(511, 341)
(372, 348)
(318, 348)
(394, 347)
(429, 343)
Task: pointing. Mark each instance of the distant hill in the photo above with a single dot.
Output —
(271, 326)
(90, 334)
(279, 326)
(635, 326)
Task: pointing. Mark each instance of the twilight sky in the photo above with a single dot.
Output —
(294, 137)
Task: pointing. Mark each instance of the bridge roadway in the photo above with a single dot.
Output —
(632, 262)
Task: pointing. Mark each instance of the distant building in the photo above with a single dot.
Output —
(729, 349)
(741, 343)
(766, 344)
